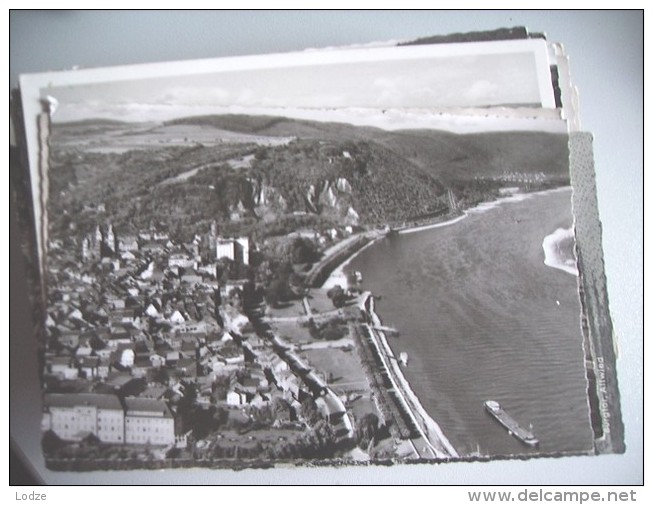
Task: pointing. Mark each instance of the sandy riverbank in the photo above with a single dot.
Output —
(423, 227)
(558, 251)
(480, 208)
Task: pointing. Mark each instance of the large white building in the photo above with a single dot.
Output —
(236, 249)
(225, 249)
(140, 421)
(148, 421)
(75, 416)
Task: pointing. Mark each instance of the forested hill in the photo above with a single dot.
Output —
(267, 175)
(452, 157)
(275, 126)
(446, 155)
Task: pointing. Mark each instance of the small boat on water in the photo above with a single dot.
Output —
(403, 358)
(506, 420)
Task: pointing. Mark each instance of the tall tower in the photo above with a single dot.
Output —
(86, 252)
(213, 237)
(96, 245)
(110, 240)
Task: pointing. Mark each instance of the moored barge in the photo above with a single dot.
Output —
(522, 434)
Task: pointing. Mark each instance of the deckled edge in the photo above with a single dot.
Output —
(599, 344)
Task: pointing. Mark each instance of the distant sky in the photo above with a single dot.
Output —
(469, 80)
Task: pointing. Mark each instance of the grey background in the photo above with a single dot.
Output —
(606, 50)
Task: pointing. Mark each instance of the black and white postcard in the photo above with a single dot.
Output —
(346, 256)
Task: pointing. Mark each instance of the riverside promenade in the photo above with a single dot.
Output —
(337, 255)
(430, 442)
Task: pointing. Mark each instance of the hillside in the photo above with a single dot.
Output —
(452, 157)
(446, 155)
(268, 175)
(273, 126)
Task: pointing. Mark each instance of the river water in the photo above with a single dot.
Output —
(482, 317)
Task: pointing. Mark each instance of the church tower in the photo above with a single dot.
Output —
(110, 240)
(86, 249)
(96, 244)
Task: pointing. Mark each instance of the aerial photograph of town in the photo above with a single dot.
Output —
(235, 290)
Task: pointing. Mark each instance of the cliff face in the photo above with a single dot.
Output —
(329, 198)
(349, 182)
(332, 199)
(267, 201)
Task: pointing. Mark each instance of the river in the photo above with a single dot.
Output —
(482, 317)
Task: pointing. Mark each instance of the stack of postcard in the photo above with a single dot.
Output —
(359, 255)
